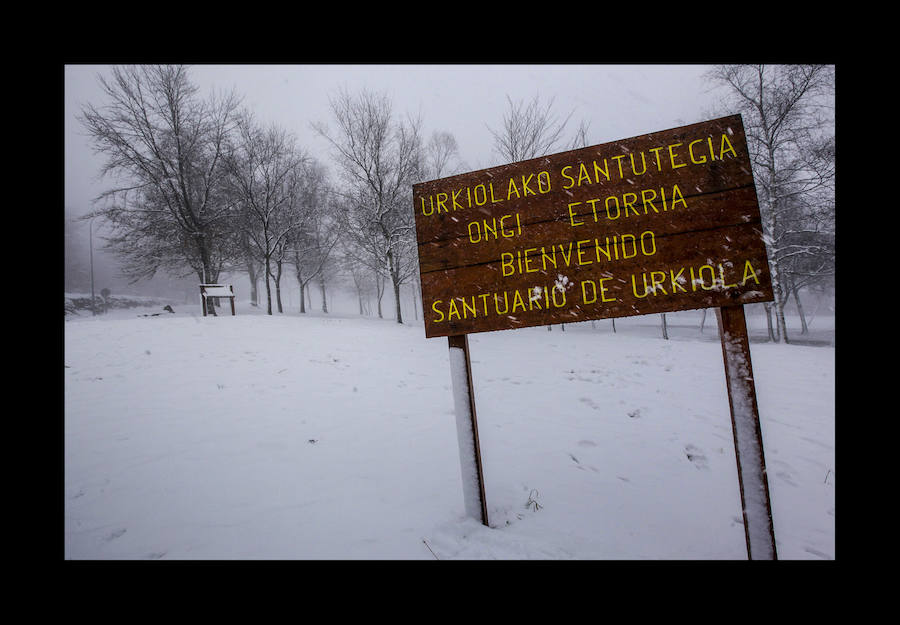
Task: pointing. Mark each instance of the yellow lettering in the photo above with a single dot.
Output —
(572, 215)
(583, 173)
(618, 159)
(543, 180)
(434, 307)
(634, 169)
(525, 188)
(518, 301)
(528, 260)
(723, 149)
(634, 286)
(453, 309)
(652, 241)
(628, 200)
(455, 195)
(648, 201)
(504, 263)
(493, 199)
(677, 279)
(584, 296)
(616, 200)
(478, 231)
(483, 195)
(658, 164)
(564, 175)
(677, 192)
(748, 271)
(506, 234)
(579, 251)
(722, 278)
(603, 291)
(599, 170)
(657, 277)
(691, 152)
(512, 189)
(672, 156)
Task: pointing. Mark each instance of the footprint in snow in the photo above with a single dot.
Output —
(115, 534)
(695, 455)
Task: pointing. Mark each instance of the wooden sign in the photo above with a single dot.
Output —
(662, 222)
(657, 223)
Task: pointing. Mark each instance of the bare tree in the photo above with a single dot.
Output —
(165, 147)
(379, 159)
(440, 156)
(262, 172)
(311, 246)
(530, 129)
(788, 114)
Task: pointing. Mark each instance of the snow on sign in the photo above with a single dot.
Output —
(662, 222)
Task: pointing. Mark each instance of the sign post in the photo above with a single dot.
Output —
(657, 223)
(467, 428)
(759, 531)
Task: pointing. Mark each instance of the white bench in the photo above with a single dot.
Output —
(216, 290)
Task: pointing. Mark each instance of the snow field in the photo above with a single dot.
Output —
(292, 437)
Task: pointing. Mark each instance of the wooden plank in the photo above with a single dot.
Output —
(687, 271)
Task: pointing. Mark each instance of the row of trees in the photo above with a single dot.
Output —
(203, 187)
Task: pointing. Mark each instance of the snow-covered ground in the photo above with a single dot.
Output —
(333, 437)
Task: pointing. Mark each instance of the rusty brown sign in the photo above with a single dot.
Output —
(662, 222)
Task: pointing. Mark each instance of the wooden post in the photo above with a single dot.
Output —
(231, 288)
(748, 448)
(467, 428)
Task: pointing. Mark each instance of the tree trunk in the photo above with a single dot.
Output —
(206, 278)
(780, 301)
(665, 330)
(379, 289)
(768, 309)
(302, 297)
(395, 281)
(804, 329)
(322, 289)
(268, 288)
(703, 320)
(277, 278)
(254, 277)
(399, 313)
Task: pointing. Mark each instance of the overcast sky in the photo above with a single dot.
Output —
(618, 101)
